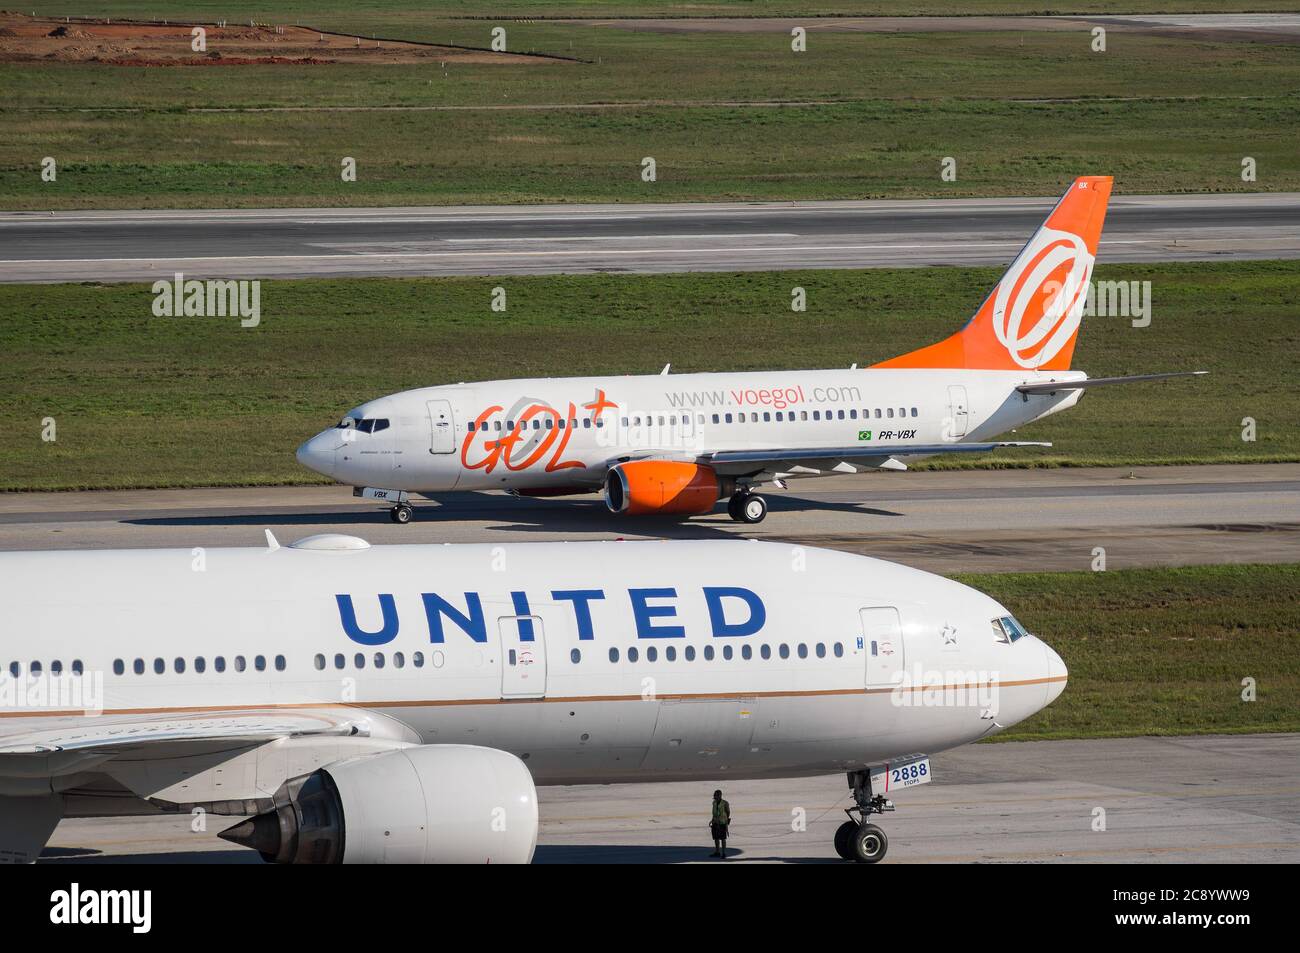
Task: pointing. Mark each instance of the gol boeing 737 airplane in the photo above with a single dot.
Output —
(398, 703)
(678, 444)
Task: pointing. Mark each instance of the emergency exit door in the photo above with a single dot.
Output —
(958, 410)
(882, 637)
(442, 437)
(523, 656)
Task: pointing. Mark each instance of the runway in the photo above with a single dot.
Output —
(552, 239)
(943, 521)
(1206, 799)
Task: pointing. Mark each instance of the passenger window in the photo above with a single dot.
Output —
(279, 663)
(159, 666)
(179, 665)
(119, 668)
(889, 412)
(418, 660)
(803, 650)
(633, 654)
(913, 411)
(575, 656)
(821, 650)
(259, 663)
(219, 663)
(200, 665)
(359, 660)
(240, 664)
(767, 417)
(708, 653)
(728, 417)
(379, 660)
(746, 652)
(839, 650)
(138, 666)
(399, 660)
(726, 652)
(817, 415)
(651, 654)
(785, 650)
(715, 418)
(690, 653)
(765, 651)
(613, 655)
(670, 654)
(320, 663)
(340, 661)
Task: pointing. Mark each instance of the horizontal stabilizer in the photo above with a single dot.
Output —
(1052, 387)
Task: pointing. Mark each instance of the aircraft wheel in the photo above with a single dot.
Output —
(844, 840)
(401, 513)
(752, 508)
(869, 844)
(733, 507)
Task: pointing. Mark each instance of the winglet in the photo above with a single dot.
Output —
(271, 544)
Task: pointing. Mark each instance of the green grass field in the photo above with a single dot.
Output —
(1163, 651)
(142, 401)
(1022, 113)
(362, 12)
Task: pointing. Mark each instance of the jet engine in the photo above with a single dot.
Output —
(664, 486)
(425, 804)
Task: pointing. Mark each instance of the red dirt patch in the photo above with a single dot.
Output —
(130, 43)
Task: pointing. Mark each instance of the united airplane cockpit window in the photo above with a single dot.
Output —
(1007, 629)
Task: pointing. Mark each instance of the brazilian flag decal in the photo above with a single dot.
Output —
(864, 434)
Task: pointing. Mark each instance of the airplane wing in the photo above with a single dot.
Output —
(872, 455)
(115, 735)
(1052, 387)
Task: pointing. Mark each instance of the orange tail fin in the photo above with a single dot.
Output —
(1031, 318)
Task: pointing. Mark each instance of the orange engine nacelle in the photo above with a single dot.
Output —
(662, 486)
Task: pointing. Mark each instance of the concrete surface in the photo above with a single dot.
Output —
(1207, 799)
(944, 521)
(545, 239)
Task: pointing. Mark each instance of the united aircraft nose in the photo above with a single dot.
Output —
(316, 455)
(1056, 673)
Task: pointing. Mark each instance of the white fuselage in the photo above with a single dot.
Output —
(551, 434)
(593, 662)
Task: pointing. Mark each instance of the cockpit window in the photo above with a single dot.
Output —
(365, 424)
(1007, 629)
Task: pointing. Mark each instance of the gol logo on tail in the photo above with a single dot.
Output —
(1039, 303)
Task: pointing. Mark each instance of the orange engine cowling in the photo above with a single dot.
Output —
(662, 486)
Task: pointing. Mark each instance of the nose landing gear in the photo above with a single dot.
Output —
(856, 839)
(401, 513)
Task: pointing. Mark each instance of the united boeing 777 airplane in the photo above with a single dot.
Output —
(399, 703)
(677, 444)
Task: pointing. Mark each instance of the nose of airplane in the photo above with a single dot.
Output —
(318, 454)
(1056, 672)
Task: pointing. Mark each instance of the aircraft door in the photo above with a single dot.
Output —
(442, 436)
(958, 410)
(882, 637)
(523, 656)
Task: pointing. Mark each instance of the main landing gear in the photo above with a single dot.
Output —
(856, 839)
(747, 507)
(401, 513)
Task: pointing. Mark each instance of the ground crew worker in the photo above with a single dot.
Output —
(719, 824)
